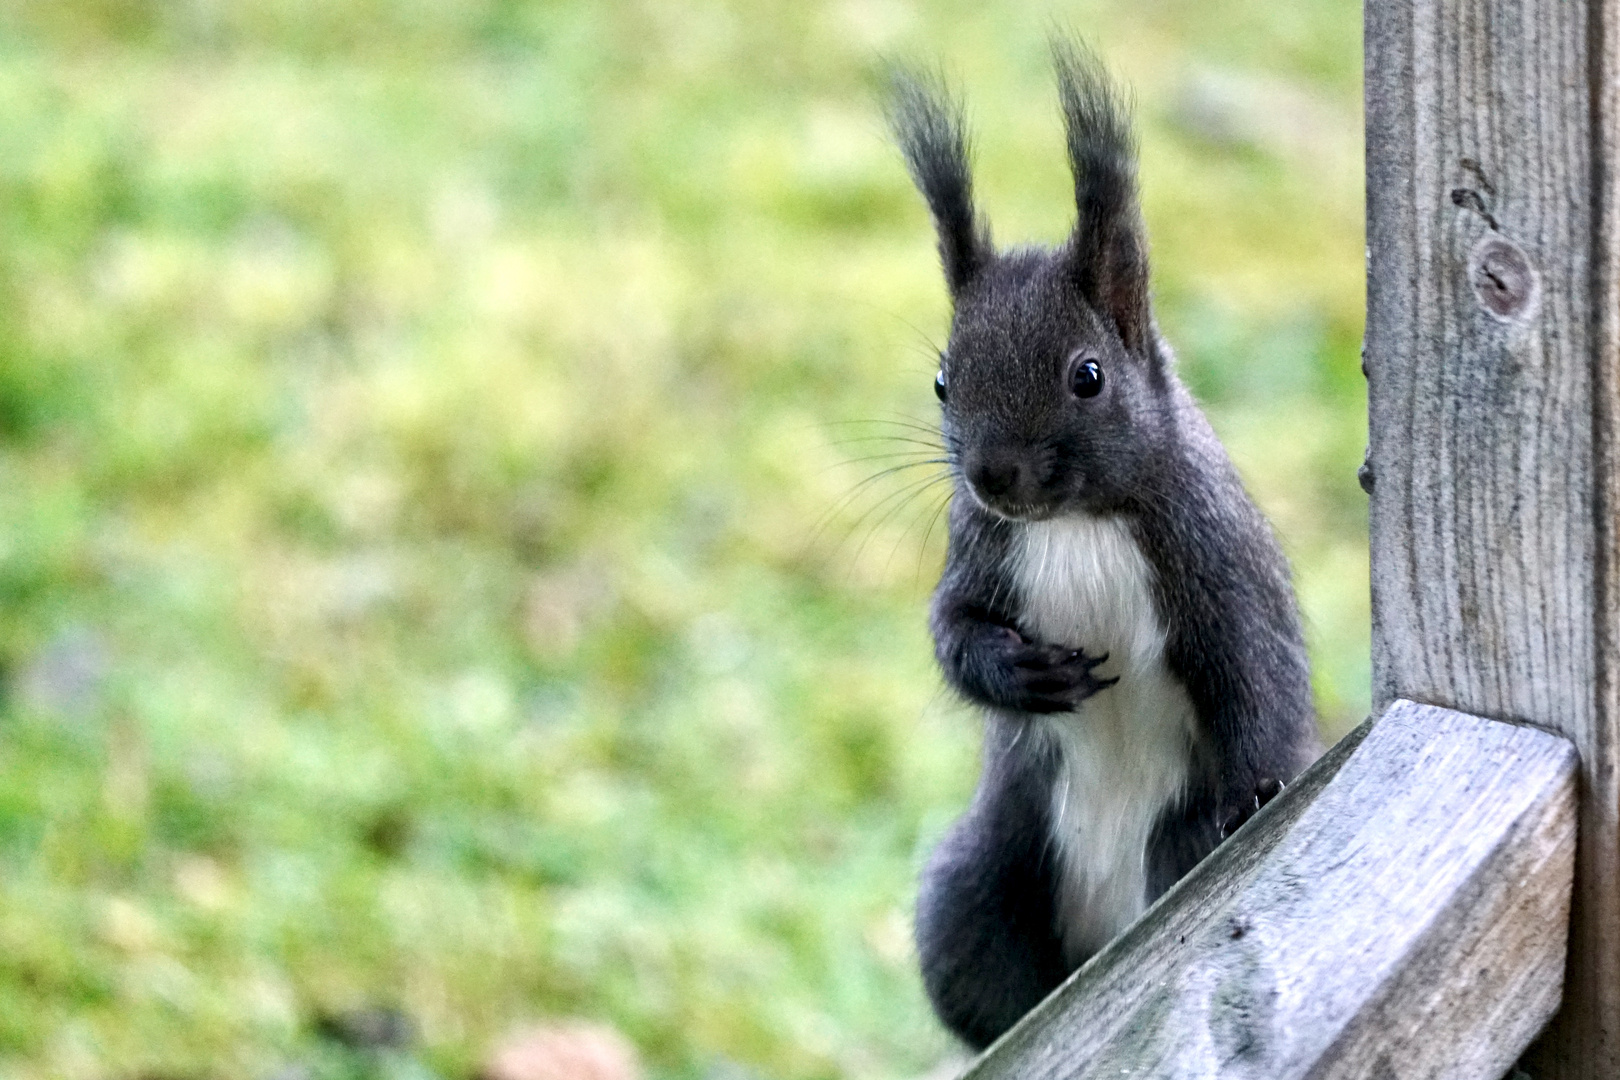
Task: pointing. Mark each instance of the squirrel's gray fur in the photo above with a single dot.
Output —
(1094, 512)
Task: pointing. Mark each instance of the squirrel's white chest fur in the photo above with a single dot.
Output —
(1124, 753)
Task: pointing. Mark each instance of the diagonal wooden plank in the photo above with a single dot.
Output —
(1400, 912)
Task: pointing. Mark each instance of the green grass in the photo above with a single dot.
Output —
(426, 577)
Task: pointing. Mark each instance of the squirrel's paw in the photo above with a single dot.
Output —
(1051, 678)
(1264, 791)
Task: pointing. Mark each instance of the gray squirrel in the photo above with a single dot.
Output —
(1111, 597)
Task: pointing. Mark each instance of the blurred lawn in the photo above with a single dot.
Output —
(427, 574)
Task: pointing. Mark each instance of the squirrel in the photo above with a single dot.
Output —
(1111, 597)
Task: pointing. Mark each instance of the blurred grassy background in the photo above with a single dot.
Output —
(426, 577)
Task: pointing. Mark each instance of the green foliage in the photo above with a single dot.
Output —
(435, 571)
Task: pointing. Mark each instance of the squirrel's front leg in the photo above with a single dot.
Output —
(991, 662)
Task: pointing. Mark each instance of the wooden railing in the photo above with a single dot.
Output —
(1440, 885)
(1403, 902)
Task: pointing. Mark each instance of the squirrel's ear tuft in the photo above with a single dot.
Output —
(1108, 251)
(929, 125)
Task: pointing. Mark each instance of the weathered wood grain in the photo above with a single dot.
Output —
(1492, 363)
(1397, 913)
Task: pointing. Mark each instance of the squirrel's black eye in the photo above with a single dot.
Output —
(1086, 379)
(939, 385)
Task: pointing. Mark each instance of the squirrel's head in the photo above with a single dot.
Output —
(1055, 389)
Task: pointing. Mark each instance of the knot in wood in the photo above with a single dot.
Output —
(1502, 277)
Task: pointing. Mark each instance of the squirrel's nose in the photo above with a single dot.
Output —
(997, 473)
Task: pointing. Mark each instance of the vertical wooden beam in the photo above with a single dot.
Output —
(1494, 386)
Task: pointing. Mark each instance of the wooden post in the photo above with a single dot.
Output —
(1491, 355)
